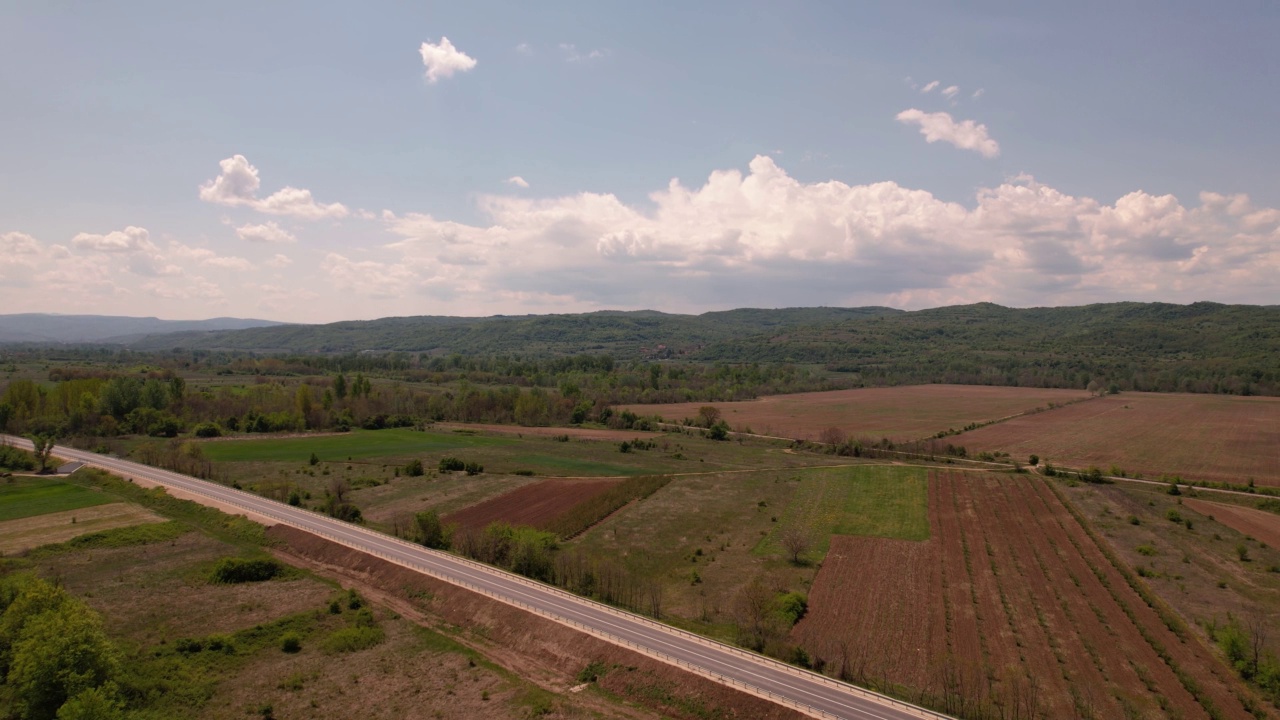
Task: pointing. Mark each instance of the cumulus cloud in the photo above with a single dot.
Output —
(130, 240)
(966, 134)
(765, 237)
(951, 91)
(443, 60)
(279, 261)
(930, 87)
(237, 186)
(518, 181)
(16, 243)
(269, 232)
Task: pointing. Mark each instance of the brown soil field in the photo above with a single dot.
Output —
(529, 645)
(1010, 604)
(1258, 524)
(573, 432)
(911, 412)
(1220, 438)
(536, 504)
(31, 532)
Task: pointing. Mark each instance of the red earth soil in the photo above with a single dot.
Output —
(1220, 438)
(1010, 603)
(1258, 524)
(905, 413)
(536, 504)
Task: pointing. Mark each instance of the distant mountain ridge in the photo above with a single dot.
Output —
(115, 330)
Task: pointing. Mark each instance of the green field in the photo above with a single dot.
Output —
(28, 498)
(876, 500)
(400, 442)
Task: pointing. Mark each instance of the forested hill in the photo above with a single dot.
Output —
(1203, 347)
(623, 334)
(46, 328)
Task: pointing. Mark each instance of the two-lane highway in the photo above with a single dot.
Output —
(808, 692)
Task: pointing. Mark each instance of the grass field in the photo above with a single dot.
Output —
(1222, 438)
(30, 497)
(399, 442)
(888, 501)
(898, 413)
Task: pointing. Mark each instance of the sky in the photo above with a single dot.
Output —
(323, 161)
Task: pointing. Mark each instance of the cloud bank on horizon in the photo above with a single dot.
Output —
(763, 235)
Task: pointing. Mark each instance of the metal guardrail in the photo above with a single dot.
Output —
(543, 587)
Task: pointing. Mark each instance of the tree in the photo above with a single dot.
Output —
(43, 449)
(431, 532)
(99, 703)
(303, 400)
(60, 654)
(796, 542)
(832, 436)
(340, 386)
(1034, 460)
(709, 415)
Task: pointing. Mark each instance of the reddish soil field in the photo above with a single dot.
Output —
(1010, 604)
(1258, 524)
(536, 504)
(1221, 438)
(573, 432)
(899, 413)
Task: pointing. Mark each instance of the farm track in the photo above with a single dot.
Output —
(1032, 616)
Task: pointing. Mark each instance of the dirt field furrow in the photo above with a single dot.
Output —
(536, 504)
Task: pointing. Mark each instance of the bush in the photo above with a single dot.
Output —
(1242, 552)
(1133, 520)
(1146, 550)
(414, 468)
(353, 639)
(1172, 515)
(451, 464)
(208, 430)
(473, 468)
(239, 570)
(291, 643)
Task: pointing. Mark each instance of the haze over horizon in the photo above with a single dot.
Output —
(322, 162)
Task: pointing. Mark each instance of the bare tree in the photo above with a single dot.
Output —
(833, 436)
(796, 542)
(709, 415)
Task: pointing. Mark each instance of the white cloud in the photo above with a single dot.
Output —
(518, 181)
(16, 243)
(130, 240)
(193, 288)
(966, 135)
(978, 93)
(443, 60)
(237, 186)
(571, 53)
(951, 91)
(269, 232)
(763, 237)
(524, 49)
(279, 261)
(930, 87)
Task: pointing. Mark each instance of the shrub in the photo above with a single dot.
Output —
(1146, 550)
(791, 607)
(314, 460)
(1242, 552)
(1172, 515)
(1033, 460)
(1133, 520)
(291, 643)
(451, 464)
(353, 639)
(240, 570)
(473, 468)
(208, 430)
(414, 468)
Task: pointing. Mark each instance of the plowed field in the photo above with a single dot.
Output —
(1222, 438)
(899, 413)
(1258, 524)
(1009, 605)
(535, 504)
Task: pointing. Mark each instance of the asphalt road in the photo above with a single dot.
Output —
(809, 692)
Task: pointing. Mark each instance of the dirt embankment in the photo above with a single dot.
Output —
(531, 646)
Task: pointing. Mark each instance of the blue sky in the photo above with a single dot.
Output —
(909, 154)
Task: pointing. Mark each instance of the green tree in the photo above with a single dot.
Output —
(60, 654)
(340, 386)
(99, 703)
(431, 532)
(43, 449)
